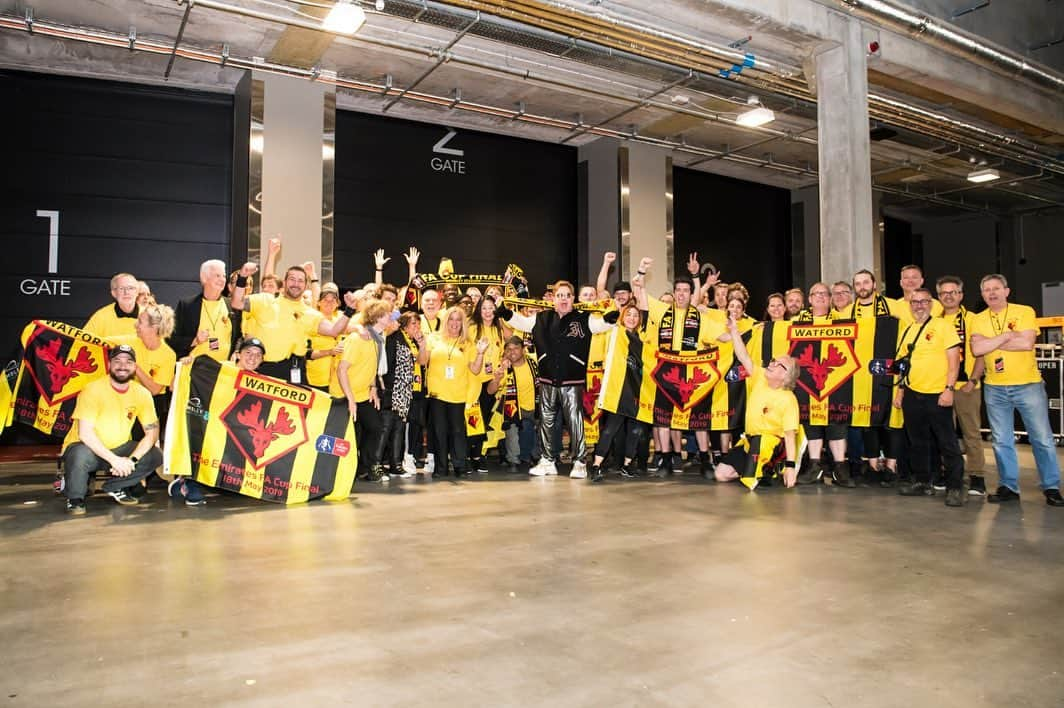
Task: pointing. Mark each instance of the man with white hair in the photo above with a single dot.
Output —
(120, 316)
(203, 324)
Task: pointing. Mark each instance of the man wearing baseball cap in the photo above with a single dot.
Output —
(100, 438)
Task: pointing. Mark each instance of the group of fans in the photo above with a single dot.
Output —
(413, 362)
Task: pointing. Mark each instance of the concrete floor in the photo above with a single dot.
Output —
(504, 590)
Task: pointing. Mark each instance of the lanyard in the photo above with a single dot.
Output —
(999, 325)
(916, 339)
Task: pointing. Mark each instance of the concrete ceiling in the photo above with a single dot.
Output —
(570, 72)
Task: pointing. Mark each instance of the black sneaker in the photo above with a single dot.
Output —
(811, 474)
(596, 473)
(888, 480)
(1003, 494)
(705, 465)
(976, 485)
(75, 507)
(916, 489)
(840, 475)
(629, 471)
(956, 497)
(123, 497)
(655, 462)
(137, 491)
(868, 476)
(1053, 497)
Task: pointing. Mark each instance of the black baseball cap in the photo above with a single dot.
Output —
(121, 349)
(252, 342)
(622, 285)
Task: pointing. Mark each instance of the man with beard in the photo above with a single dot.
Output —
(203, 323)
(285, 324)
(100, 438)
(563, 343)
(120, 316)
(795, 301)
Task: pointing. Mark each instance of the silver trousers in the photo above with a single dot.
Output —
(555, 401)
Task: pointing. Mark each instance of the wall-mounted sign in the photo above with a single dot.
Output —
(448, 164)
(48, 286)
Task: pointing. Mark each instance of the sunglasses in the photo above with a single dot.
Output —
(779, 364)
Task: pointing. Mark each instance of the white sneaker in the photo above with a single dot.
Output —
(409, 466)
(430, 463)
(543, 467)
(579, 471)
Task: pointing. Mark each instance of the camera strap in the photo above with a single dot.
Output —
(904, 380)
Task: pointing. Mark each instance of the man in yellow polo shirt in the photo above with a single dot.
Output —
(285, 324)
(100, 438)
(911, 278)
(1004, 335)
(930, 349)
(119, 316)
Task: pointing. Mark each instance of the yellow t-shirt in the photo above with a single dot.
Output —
(362, 355)
(214, 317)
(928, 363)
(322, 370)
(111, 412)
(1008, 368)
(526, 387)
(967, 358)
(492, 355)
(769, 411)
(158, 363)
(900, 308)
(105, 322)
(283, 325)
(710, 327)
(448, 376)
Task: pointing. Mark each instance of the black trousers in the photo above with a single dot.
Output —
(390, 440)
(448, 425)
(925, 421)
(368, 427)
(631, 434)
(417, 421)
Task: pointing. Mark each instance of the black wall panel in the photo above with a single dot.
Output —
(742, 227)
(140, 177)
(516, 201)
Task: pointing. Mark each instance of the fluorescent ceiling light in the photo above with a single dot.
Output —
(987, 175)
(344, 18)
(757, 115)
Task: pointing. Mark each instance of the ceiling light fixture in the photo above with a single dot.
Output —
(344, 18)
(757, 115)
(985, 175)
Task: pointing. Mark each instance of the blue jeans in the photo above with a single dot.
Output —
(1033, 406)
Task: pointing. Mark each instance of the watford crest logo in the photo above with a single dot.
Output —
(825, 356)
(266, 419)
(592, 412)
(61, 364)
(686, 379)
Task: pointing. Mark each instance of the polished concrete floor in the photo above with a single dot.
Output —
(505, 590)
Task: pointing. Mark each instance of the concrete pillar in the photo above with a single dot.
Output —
(286, 172)
(846, 224)
(629, 205)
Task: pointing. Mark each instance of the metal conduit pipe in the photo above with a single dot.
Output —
(952, 39)
(99, 37)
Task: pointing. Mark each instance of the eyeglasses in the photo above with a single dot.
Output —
(948, 293)
(919, 302)
(820, 293)
(780, 364)
(126, 288)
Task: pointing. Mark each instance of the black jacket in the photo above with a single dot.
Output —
(186, 325)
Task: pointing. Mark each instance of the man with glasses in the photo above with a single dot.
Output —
(841, 297)
(1004, 335)
(120, 316)
(819, 312)
(968, 395)
(932, 350)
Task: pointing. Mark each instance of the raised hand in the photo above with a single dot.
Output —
(412, 256)
(248, 269)
(274, 246)
(609, 257)
(379, 260)
(692, 263)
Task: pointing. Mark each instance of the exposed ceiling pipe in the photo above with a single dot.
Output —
(895, 16)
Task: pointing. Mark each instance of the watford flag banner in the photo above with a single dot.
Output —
(57, 361)
(7, 388)
(684, 384)
(259, 436)
(623, 389)
(835, 384)
(729, 396)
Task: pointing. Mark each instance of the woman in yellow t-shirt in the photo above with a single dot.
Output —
(323, 357)
(771, 419)
(485, 325)
(454, 364)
